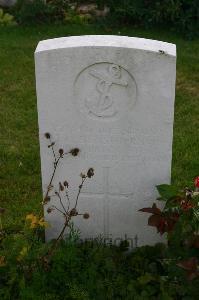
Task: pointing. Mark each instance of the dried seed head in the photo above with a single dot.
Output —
(82, 175)
(65, 183)
(61, 152)
(61, 187)
(74, 151)
(47, 135)
(90, 172)
(46, 199)
(49, 210)
(73, 212)
(86, 216)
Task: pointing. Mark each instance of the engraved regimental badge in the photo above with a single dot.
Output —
(105, 91)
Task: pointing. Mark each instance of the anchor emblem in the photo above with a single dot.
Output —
(103, 105)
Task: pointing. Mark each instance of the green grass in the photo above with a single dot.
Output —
(20, 181)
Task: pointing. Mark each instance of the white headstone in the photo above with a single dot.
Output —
(112, 97)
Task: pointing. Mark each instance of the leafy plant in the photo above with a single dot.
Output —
(6, 19)
(180, 14)
(180, 220)
(58, 8)
(32, 12)
(71, 16)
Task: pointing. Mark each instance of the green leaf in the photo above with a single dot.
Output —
(146, 278)
(167, 191)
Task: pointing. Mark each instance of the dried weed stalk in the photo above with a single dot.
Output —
(62, 193)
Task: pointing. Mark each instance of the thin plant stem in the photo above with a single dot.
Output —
(67, 196)
(53, 151)
(58, 210)
(52, 177)
(58, 195)
(56, 242)
(79, 191)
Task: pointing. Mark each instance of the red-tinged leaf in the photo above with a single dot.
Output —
(190, 264)
(162, 227)
(159, 222)
(154, 220)
(152, 210)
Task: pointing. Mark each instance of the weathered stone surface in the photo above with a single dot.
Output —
(92, 9)
(86, 8)
(113, 97)
(7, 3)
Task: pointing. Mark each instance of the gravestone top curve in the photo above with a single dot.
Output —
(108, 41)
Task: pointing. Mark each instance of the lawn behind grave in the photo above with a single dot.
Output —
(20, 182)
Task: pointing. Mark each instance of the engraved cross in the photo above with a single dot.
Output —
(106, 197)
